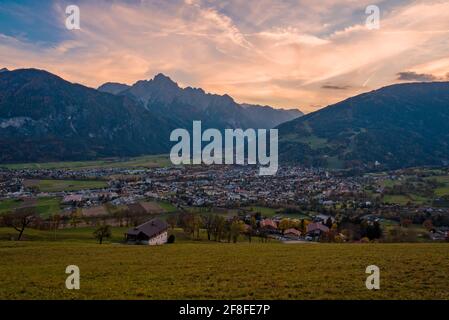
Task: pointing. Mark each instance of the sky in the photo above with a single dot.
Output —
(302, 54)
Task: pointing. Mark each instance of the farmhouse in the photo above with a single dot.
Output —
(153, 232)
(292, 233)
(315, 230)
(268, 224)
(72, 199)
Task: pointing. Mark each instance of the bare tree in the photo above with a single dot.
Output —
(75, 217)
(56, 221)
(208, 221)
(19, 219)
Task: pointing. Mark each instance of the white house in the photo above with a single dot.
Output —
(153, 232)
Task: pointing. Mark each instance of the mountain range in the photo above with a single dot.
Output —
(162, 96)
(46, 118)
(396, 126)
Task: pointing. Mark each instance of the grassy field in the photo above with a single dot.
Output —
(85, 235)
(271, 212)
(404, 199)
(443, 190)
(168, 207)
(9, 204)
(137, 162)
(48, 206)
(81, 234)
(31, 270)
(265, 211)
(45, 206)
(65, 185)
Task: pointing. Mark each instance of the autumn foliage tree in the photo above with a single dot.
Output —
(104, 231)
(285, 224)
(237, 227)
(428, 224)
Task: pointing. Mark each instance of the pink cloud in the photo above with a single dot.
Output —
(251, 58)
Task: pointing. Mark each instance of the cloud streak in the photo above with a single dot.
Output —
(335, 87)
(283, 53)
(413, 76)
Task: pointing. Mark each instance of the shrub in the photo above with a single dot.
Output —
(104, 231)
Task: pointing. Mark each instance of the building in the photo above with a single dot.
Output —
(292, 234)
(72, 199)
(153, 232)
(315, 230)
(268, 224)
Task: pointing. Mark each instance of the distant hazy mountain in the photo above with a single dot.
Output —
(43, 117)
(396, 126)
(164, 97)
(269, 115)
(113, 87)
(3, 70)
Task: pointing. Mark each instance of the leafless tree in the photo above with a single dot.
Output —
(19, 219)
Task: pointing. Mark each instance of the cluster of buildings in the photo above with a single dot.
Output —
(228, 186)
(218, 186)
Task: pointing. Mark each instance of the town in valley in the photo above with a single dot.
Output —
(231, 203)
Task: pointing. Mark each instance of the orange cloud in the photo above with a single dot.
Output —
(285, 57)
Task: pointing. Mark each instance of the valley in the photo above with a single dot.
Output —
(210, 152)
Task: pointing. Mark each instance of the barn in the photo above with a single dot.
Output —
(153, 232)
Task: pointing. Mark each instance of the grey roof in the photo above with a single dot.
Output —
(150, 228)
(311, 227)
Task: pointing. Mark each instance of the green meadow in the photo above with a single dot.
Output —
(406, 198)
(271, 212)
(45, 206)
(167, 206)
(150, 161)
(52, 185)
(207, 270)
